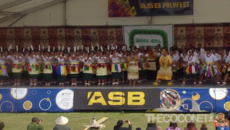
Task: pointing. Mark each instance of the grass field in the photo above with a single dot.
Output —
(77, 120)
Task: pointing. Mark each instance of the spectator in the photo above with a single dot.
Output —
(203, 127)
(138, 128)
(2, 125)
(61, 124)
(35, 124)
(191, 126)
(119, 125)
(153, 126)
(173, 126)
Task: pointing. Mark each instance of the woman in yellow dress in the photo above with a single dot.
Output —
(133, 70)
(165, 71)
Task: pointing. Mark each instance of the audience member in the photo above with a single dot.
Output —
(35, 124)
(173, 126)
(153, 126)
(138, 128)
(203, 127)
(191, 126)
(2, 125)
(119, 125)
(61, 124)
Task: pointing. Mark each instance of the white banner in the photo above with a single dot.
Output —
(148, 35)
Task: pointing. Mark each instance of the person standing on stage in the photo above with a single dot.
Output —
(16, 68)
(87, 69)
(165, 71)
(61, 69)
(116, 67)
(211, 67)
(133, 70)
(74, 68)
(101, 71)
(191, 69)
(33, 68)
(151, 57)
(47, 69)
(3, 74)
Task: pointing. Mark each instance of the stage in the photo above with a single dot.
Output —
(147, 84)
(142, 97)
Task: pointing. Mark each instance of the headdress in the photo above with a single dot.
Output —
(94, 126)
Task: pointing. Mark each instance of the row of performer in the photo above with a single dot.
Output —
(137, 64)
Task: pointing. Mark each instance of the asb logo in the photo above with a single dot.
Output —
(116, 98)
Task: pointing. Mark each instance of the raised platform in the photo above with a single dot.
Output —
(143, 97)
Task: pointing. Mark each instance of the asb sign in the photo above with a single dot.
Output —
(116, 99)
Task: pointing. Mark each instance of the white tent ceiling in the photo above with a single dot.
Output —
(10, 9)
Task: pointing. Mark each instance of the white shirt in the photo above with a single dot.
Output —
(210, 58)
(218, 56)
(116, 58)
(101, 59)
(202, 51)
(16, 59)
(87, 61)
(192, 59)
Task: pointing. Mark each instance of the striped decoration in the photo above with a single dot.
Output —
(116, 68)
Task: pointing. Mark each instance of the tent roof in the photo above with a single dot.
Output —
(10, 9)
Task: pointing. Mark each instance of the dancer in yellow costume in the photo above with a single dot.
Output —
(165, 71)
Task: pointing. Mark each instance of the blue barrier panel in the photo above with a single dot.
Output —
(194, 100)
(36, 100)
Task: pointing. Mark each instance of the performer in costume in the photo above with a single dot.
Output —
(94, 66)
(87, 69)
(47, 69)
(16, 68)
(101, 71)
(211, 67)
(191, 69)
(108, 62)
(61, 69)
(133, 70)
(3, 70)
(151, 57)
(165, 71)
(141, 65)
(8, 64)
(41, 65)
(175, 63)
(33, 68)
(74, 68)
(123, 66)
(24, 62)
(200, 66)
(81, 56)
(116, 68)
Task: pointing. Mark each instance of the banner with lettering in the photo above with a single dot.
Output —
(194, 100)
(148, 35)
(116, 99)
(133, 8)
(36, 100)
